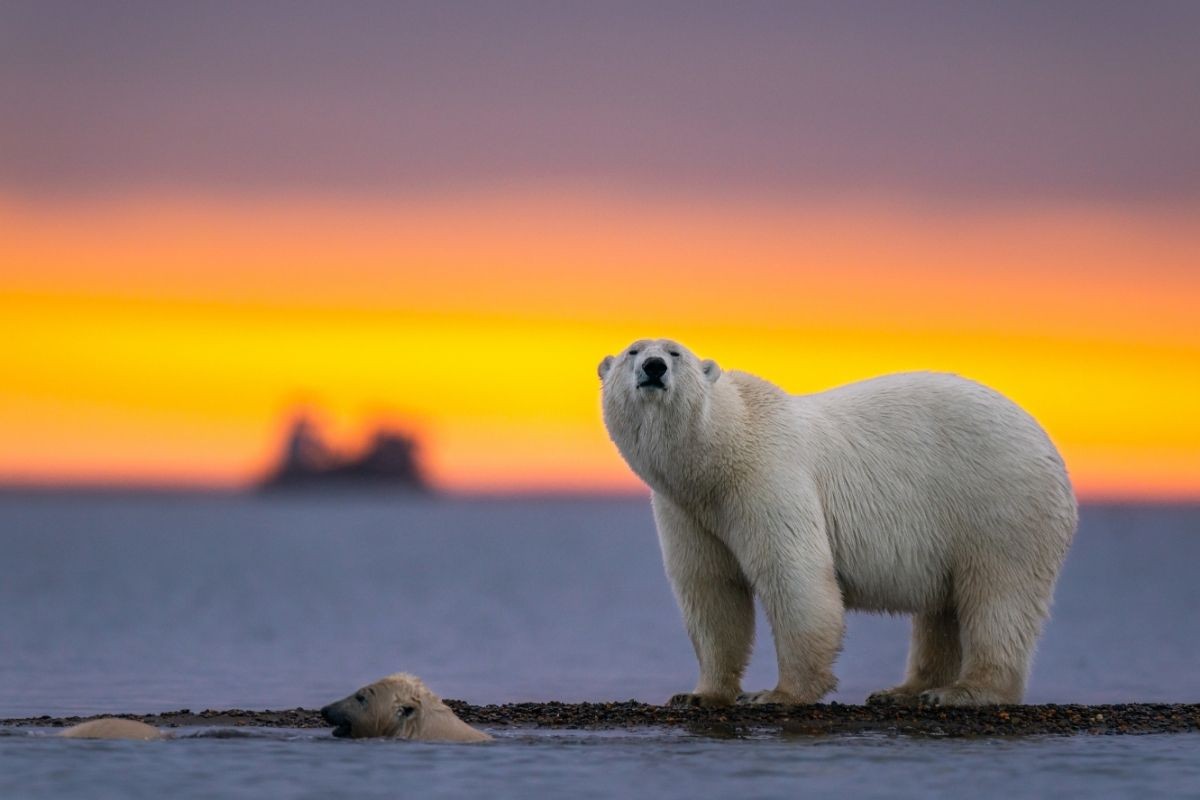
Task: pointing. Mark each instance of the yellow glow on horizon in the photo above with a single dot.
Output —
(166, 341)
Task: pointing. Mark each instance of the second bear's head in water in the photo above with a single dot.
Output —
(398, 707)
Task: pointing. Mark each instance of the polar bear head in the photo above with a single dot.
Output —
(655, 371)
(660, 402)
(398, 707)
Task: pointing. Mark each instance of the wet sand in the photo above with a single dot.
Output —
(816, 720)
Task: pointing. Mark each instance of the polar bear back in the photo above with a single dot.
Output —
(924, 475)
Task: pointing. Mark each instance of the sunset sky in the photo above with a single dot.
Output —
(443, 217)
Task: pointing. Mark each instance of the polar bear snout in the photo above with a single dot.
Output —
(653, 369)
(336, 716)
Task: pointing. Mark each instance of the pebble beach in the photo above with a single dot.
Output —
(815, 720)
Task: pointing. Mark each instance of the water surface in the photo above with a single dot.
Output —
(142, 604)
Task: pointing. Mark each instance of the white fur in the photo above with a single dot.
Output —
(113, 728)
(399, 706)
(917, 493)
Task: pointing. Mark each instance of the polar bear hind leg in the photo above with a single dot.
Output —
(999, 622)
(934, 658)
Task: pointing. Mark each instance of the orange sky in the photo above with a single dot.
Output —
(164, 338)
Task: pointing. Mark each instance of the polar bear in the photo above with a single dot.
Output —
(918, 493)
(398, 707)
(113, 728)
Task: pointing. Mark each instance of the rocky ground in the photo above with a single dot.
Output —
(800, 720)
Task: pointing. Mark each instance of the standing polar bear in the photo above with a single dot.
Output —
(917, 493)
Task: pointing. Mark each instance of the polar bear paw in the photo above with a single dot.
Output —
(695, 700)
(896, 696)
(769, 696)
(959, 695)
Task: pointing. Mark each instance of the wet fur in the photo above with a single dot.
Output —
(398, 707)
(113, 728)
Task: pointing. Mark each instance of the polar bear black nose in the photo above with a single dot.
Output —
(654, 367)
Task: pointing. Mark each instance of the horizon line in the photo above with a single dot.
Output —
(9, 488)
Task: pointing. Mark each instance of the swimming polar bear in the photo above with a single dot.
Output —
(113, 728)
(398, 707)
(918, 493)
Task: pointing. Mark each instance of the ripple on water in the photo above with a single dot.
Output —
(248, 762)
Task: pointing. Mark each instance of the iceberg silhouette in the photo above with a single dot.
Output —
(307, 462)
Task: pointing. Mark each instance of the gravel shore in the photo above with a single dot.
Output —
(816, 720)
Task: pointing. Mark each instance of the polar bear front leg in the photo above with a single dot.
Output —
(789, 562)
(716, 601)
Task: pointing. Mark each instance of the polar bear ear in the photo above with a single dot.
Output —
(605, 366)
(711, 369)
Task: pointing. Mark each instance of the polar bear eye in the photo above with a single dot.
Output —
(634, 352)
(407, 711)
(361, 698)
(674, 353)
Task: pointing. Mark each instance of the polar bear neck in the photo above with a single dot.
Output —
(688, 449)
(439, 723)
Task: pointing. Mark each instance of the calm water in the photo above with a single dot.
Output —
(111, 604)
